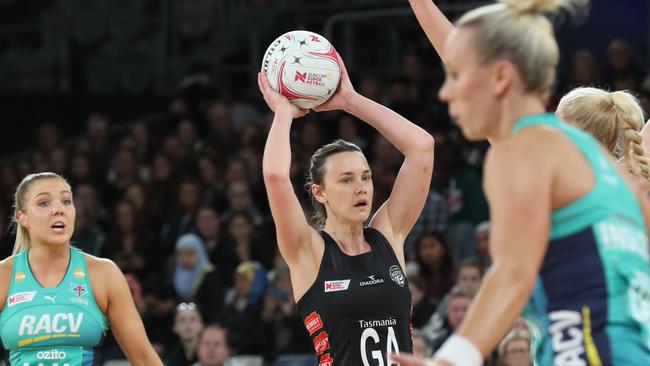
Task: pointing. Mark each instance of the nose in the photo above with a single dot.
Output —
(57, 207)
(361, 189)
(444, 92)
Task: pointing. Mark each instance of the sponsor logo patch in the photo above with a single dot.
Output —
(326, 360)
(79, 273)
(20, 276)
(371, 281)
(20, 297)
(53, 354)
(313, 323)
(321, 343)
(336, 285)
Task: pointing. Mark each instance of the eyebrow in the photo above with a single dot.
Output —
(352, 173)
(49, 194)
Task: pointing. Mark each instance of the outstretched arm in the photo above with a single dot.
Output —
(292, 229)
(434, 23)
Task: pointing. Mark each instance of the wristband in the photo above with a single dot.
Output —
(459, 351)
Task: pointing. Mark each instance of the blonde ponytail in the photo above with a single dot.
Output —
(23, 241)
(629, 120)
(614, 119)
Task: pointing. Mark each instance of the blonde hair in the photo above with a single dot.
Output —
(613, 118)
(516, 30)
(514, 335)
(23, 241)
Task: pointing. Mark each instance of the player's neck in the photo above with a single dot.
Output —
(512, 110)
(348, 235)
(47, 252)
(49, 256)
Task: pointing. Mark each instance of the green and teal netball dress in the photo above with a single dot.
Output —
(591, 304)
(58, 326)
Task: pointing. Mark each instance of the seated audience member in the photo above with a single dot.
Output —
(214, 348)
(188, 325)
(195, 278)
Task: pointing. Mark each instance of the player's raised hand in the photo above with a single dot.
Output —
(276, 101)
(343, 95)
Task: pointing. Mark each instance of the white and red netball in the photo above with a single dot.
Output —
(304, 67)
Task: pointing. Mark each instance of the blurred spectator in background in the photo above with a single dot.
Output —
(283, 327)
(129, 243)
(469, 276)
(88, 236)
(622, 71)
(436, 267)
(161, 188)
(81, 170)
(160, 303)
(433, 218)
(48, 138)
(243, 307)
(515, 349)
(447, 318)
(182, 218)
(214, 348)
(97, 141)
(482, 239)
(243, 242)
(423, 305)
(188, 326)
(196, 279)
(421, 345)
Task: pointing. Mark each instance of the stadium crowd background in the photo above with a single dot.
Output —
(159, 142)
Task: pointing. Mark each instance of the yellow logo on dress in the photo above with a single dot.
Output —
(20, 276)
(79, 273)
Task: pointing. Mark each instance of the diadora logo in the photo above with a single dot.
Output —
(51, 355)
(396, 275)
(48, 324)
(20, 297)
(336, 285)
(300, 76)
(371, 281)
(51, 298)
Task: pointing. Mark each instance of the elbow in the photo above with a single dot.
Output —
(525, 280)
(272, 177)
(521, 277)
(424, 144)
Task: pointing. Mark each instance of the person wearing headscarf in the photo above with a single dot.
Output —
(195, 278)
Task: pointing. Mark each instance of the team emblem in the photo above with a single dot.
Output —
(396, 275)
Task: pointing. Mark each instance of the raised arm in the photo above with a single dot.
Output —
(398, 215)
(292, 229)
(434, 23)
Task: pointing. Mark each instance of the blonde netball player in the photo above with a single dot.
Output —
(58, 302)
(569, 232)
